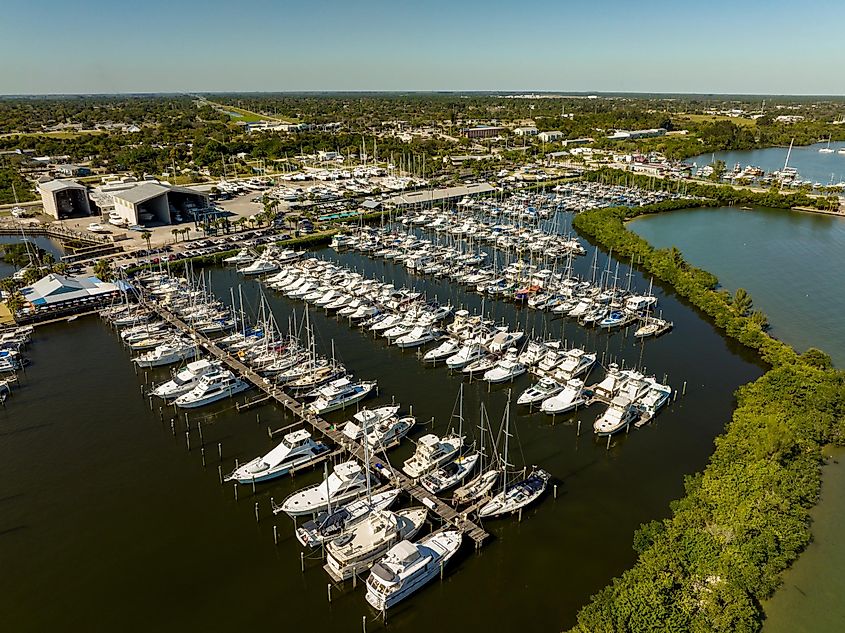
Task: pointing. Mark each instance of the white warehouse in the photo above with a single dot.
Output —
(155, 203)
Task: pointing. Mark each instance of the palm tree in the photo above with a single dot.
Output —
(147, 236)
(15, 302)
(32, 275)
(175, 233)
(186, 233)
(48, 260)
(742, 301)
(103, 270)
(61, 268)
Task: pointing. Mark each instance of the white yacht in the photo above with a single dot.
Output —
(296, 449)
(345, 397)
(347, 481)
(654, 399)
(537, 393)
(574, 363)
(173, 351)
(408, 566)
(503, 340)
(568, 399)
(517, 496)
(610, 385)
(211, 388)
(418, 336)
(478, 486)
(389, 431)
(366, 419)
(357, 550)
(185, 379)
(260, 266)
(330, 524)
(505, 369)
(451, 474)
(621, 412)
(431, 452)
(244, 256)
(446, 349)
(471, 351)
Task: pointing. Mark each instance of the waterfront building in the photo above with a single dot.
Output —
(528, 130)
(548, 137)
(156, 202)
(64, 198)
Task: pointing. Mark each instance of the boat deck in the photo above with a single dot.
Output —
(436, 505)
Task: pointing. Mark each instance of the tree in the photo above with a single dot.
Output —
(741, 302)
(31, 275)
(15, 302)
(175, 233)
(147, 236)
(103, 270)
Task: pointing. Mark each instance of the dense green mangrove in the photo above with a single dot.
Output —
(745, 518)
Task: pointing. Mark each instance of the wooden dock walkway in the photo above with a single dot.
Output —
(459, 520)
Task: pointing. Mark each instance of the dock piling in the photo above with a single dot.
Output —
(202, 453)
(236, 491)
(329, 590)
(275, 535)
(220, 473)
(256, 513)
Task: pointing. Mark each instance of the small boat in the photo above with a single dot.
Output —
(653, 400)
(211, 388)
(443, 351)
(343, 398)
(451, 474)
(347, 481)
(260, 266)
(96, 227)
(330, 524)
(506, 369)
(389, 431)
(408, 566)
(295, 450)
(517, 496)
(653, 326)
(173, 351)
(573, 363)
(244, 256)
(481, 365)
(357, 550)
(470, 352)
(431, 452)
(569, 398)
(543, 390)
(186, 379)
(478, 487)
(367, 419)
(621, 412)
(420, 335)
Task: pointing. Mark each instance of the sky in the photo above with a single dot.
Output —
(718, 46)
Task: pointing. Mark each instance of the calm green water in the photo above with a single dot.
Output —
(810, 599)
(791, 262)
(107, 522)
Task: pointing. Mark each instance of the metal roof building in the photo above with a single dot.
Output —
(64, 198)
(152, 202)
(437, 195)
(56, 289)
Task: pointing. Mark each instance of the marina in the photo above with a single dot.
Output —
(406, 365)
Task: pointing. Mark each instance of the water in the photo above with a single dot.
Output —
(825, 169)
(106, 514)
(48, 244)
(790, 262)
(810, 598)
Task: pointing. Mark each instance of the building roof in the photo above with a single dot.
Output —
(59, 185)
(143, 192)
(432, 195)
(147, 190)
(54, 289)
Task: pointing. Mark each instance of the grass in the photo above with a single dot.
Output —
(57, 134)
(712, 118)
(248, 116)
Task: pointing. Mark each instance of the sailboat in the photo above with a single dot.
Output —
(827, 149)
(515, 496)
(484, 482)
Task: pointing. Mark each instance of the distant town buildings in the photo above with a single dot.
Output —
(483, 131)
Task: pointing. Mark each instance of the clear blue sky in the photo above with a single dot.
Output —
(746, 46)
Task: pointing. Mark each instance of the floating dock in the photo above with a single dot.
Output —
(459, 520)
